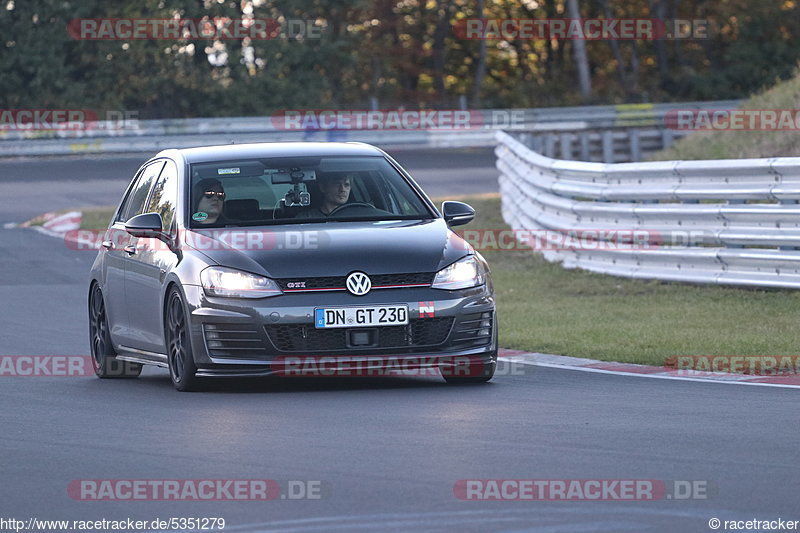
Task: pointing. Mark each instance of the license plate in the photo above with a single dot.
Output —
(361, 317)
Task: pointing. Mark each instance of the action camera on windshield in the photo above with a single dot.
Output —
(295, 197)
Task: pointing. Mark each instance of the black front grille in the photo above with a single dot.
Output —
(233, 340)
(306, 338)
(338, 282)
(415, 278)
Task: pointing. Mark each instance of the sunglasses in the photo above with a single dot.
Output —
(211, 194)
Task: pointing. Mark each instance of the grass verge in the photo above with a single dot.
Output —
(94, 218)
(543, 307)
(742, 144)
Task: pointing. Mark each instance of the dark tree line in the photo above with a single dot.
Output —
(387, 53)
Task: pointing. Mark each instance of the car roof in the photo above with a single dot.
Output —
(275, 149)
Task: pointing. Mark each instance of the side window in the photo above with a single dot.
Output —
(138, 196)
(165, 196)
(127, 199)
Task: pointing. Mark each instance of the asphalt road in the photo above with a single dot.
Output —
(387, 452)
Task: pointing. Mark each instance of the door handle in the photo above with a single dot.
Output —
(130, 249)
(108, 245)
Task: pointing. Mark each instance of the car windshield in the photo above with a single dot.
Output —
(296, 190)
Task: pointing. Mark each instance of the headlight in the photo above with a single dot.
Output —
(462, 274)
(221, 281)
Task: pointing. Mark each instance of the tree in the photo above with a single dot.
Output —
(579, 51)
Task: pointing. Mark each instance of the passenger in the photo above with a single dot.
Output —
(209, 202)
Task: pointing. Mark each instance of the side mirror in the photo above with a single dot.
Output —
(457, 213)
(146, 225)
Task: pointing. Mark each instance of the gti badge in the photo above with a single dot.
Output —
(296, 285)
(358, 283)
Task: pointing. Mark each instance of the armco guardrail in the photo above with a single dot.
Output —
(609, 145)
(731, 222)
(155, 143)
(610, 134)
(541, 123)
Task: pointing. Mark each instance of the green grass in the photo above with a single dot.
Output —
(742, 144)
(543, 307)
(96, 218)
(590, 315)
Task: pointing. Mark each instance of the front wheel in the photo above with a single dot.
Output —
(472, 370)
(104, 359)
(182, 369)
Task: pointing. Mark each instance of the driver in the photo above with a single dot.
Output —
(335, 192)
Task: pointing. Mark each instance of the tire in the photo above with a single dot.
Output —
(182, 369)
(104, 358)
(476, 371)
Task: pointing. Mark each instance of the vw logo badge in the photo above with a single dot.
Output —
(358, 283)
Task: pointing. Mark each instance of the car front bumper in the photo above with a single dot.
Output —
(233, 337)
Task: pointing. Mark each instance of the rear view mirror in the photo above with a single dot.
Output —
(294, 175)
(457, 213)
(146, 225)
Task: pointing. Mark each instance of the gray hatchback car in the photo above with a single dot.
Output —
(287, 259)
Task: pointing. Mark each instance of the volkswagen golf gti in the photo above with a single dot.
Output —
(252, 260)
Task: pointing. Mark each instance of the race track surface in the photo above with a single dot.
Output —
(387, 452)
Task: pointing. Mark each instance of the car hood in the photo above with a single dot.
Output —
(333, 248)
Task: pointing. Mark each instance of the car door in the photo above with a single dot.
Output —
(118, 254)
(148, 264)
(115, 259)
